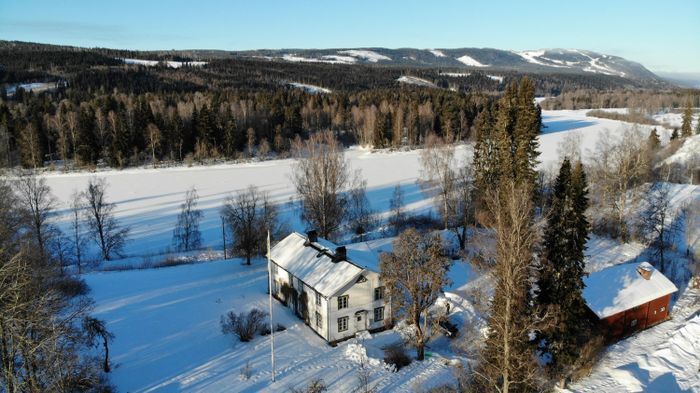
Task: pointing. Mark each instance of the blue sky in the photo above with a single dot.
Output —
(662, 35)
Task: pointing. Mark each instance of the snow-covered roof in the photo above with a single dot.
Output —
(313, 263)
(622, 287)
(366, 254)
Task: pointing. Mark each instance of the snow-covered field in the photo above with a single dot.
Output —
(148, 199)
(169, 63)
(414, 80)
(166, 321)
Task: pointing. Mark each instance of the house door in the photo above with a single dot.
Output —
(361, 320)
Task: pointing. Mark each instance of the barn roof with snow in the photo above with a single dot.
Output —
(623, 287)
(320, 263)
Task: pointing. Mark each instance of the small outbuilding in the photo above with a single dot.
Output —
(628, 297)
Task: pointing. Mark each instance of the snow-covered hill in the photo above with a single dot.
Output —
(543, 60)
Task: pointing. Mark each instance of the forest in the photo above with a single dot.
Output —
(105, 112)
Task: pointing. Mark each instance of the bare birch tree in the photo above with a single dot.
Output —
(250, 215)
(619, 165)
(657, 223)
(361, 217)
(507, 362)
(321, 176)
(78, 239)
(397, 213)
(99, 214)
(415, 273)
(35, 197)
(186, 235)
(453, 184)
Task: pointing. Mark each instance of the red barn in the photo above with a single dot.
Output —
(628, 297)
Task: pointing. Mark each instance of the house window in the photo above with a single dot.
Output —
(319, 319)
(633, 323)
(379, 293)
(300, 284)
(378, 314)
(343, 324)
(318, 299)
(275, 287)
(274, 268)
(342, 302)
(291, 279)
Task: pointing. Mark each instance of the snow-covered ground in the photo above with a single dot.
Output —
(663, 359)
(169, 63)
(166, 320)
(368, 55)
(148, 199)
(414, 80)
(310, 88)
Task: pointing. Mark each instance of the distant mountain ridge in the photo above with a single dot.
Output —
(544, 60)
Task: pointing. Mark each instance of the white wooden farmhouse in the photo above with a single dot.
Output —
(337, 292)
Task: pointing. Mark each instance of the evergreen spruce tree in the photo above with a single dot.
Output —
(380, 129)
(674, 134)
(653, 142)
(686, 130)
(560, 282)
(87, 145)
(527, 129)
(485, 161)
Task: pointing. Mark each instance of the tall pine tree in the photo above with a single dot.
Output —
(686, 129)
(560, 281)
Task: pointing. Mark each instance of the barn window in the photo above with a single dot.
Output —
(662, 309)
(342, 302)
(343, 324)
(633, 323)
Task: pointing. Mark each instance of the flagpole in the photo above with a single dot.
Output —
(272, 328)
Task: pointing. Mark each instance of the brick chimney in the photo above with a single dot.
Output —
(340, 254)
(312, 236)
(644, 271)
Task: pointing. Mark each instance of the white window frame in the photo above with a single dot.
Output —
(318, 299)
(381, 310)
(343, 323)
(343, 302)
(380, 291)
(319, 319)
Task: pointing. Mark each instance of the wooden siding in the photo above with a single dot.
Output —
(638, 318)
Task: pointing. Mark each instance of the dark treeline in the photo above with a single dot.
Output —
(120, 115)
(648, 101)
(89, 125)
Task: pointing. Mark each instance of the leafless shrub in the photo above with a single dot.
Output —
(246, 371)
(396, 355)
(243, 325)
